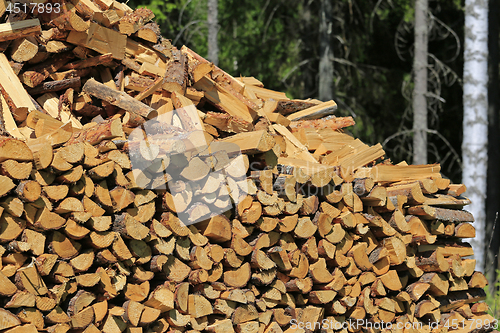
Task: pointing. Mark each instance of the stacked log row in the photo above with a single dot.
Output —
(362, 250)
(143, 189)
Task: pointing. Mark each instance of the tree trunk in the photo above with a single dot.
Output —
(475, 123)
(213, 29)
(493, 194)
(326, 51)
(420, 88)
(308, 81)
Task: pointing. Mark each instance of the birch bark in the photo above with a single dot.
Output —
(475, 122)
(420, 79)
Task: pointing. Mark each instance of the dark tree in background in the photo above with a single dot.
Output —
(213, 30)
(325, 51)
(492, 243)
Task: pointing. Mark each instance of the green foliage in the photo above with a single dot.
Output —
(161, 9)
(257, 40)
(183, 21)
(409, 14)
(493, 298)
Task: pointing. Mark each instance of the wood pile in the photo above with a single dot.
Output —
(143, 189)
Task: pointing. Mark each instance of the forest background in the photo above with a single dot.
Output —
(359, 53)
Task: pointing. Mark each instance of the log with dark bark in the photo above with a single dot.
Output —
(52, 86)
(118, 99)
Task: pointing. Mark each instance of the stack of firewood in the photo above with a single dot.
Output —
(143, 189)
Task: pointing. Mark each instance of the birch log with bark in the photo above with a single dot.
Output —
(420, 88)
(475, 122)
